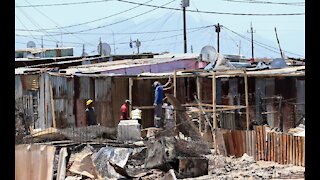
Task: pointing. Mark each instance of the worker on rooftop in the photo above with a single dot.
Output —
(90, 114)
(158, 99)
(125, 110)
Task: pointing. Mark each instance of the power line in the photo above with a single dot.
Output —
(214, 12)
(62, 4)
(55, 23)
(160, 38)
(92, 21)
(268, 2)
(99, 27)
(273, 49)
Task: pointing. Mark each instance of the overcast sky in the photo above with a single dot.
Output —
(118, 18)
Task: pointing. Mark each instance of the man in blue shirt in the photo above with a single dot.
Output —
(158, 99)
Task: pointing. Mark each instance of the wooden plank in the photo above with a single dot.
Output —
(297, 151)
(246, 97)
(52, 106)
(300, 150)
(273, 146)
(280, 148)
(293, 150)
(284, 136)
(231, 145)
(262, 142)
(269, 146)
(214, 98)
(303, 154)
(288, 149)
(246, 144)
(257, 143)
(277, 148)
(254, 147)
(263, 139)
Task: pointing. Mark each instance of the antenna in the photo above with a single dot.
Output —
(31, 44)
(281, 52)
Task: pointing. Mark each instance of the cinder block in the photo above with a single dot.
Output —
(129, 130)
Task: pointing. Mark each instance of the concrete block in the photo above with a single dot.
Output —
(129, 130)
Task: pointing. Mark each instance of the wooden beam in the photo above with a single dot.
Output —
(143, 107)
(214, 99)
(199, 98)
(247, 100)
(52, 106)
(130, 93)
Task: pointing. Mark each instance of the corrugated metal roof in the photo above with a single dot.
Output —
(105, 66)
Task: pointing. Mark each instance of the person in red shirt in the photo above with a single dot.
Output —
(125, 110)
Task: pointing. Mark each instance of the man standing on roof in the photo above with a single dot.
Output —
(158, 99)
(125, 110)
(90, 114)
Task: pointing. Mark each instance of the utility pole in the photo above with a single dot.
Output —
(281, 52)
(251, 31)
(83, 53)
(184, 3)
(191, 49)
(218, 29)
(138, 44)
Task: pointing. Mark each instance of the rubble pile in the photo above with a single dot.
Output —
(245, 167)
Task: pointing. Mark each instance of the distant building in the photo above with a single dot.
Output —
(44, 52)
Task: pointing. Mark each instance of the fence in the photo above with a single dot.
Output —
(269, 146)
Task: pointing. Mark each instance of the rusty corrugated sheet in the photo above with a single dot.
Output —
(59, 87)
(80, 113)
(64, 113)
(102, 89)
(34, 162)
(30, 82)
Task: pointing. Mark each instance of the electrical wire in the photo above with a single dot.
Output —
(99, 27)
(62, 4)
(96, 20)
(268, 2)
(55, 23)
(214, 12)
(273, 49)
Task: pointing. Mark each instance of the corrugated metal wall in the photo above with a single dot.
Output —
(18, 87)
(102, 89)
(86, 88)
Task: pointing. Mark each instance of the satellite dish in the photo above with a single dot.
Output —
(104, 48)
(217, 60)
(208, 53)
(31, 44)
